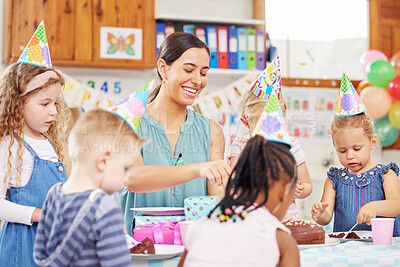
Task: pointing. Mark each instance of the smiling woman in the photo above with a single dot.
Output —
(185, 155)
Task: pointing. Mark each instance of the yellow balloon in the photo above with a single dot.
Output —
(394, 114)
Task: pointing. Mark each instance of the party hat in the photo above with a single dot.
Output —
(37, 50)
(131, 109)
(268, 81)
(349, 103)
(271, 124)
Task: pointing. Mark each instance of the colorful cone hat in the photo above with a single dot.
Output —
(349, 103)
(268, 81)
(37, 50)
(271, 124)
(131, 109)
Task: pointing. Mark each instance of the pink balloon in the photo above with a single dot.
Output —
(377, 101)
(371, 56)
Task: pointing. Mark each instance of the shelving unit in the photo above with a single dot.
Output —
(233, 21)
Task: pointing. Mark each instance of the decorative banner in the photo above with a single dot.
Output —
(268, 81)
(349, 103)
(118, 42)
(271, 124)
(37, 50)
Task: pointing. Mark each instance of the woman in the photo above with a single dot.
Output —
(185, 147)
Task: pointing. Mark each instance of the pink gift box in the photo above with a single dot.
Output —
(161, 233)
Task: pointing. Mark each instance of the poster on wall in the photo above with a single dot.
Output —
(121, 43)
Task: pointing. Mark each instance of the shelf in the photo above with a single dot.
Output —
(231, 72)
(209, 20)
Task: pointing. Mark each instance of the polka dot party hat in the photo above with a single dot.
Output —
(349, 103)
(131, 109)
(271, 124)
(268, 81)
(37, 50)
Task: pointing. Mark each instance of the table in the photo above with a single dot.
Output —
(351, 253)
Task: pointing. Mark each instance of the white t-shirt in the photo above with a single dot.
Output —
(248, 242)
(10, 211)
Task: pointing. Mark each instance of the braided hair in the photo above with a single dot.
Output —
(261, 163)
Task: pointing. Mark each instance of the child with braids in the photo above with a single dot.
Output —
(245, 229)
(32, 133)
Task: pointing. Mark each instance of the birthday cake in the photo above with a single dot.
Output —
(145, 247)
(306, 233)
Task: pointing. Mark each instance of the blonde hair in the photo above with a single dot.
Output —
(361, 120)
(13, 82)
(100, 130)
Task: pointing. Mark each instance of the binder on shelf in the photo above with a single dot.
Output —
(251, 49)
(260, 49)
(189, 28)
(169, 29)
(242, 48)
(201, 34)
(223, 62)
(233, 47)
(160, 35)
(211, 38)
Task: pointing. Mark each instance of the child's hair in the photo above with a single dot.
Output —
(100, 130)
(254, 106)
(261, 163)
(361, 120)
(13, 82)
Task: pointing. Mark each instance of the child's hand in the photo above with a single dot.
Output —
(290, 218)
(318, 209)
(366, 213)
(216, 171)
(299, 189)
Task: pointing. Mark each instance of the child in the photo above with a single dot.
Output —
(32, 131)
(362, 189)
(240, 232)
(252, 107)
(102, 148)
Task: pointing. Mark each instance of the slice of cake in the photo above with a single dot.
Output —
(144, 247)
(306, 233)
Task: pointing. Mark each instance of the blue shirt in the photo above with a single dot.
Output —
(194, 147)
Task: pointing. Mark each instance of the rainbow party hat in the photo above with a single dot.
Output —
(269, 80)
(131, 109)
(37, 50)
(349, 103)
(271, 124)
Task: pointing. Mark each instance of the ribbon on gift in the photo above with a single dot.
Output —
(158, 235)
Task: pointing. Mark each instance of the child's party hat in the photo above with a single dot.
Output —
(37, 50)
(131, 109)
(268, 81)
(271, 124)
(349, 103)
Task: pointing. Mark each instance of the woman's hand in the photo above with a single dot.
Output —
(36, 215)
(216, 171)
(366, 213)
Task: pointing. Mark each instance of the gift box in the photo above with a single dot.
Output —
(168, 233)
(197, 207)
(157, 219)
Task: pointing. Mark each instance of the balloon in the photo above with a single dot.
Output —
(371, 56)
(394, 88)
(377, 101)
(387, 133)
(362, 85)
(395, 61)
(394, 114)
(380, 73)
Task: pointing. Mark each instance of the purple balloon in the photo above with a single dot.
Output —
(270, 125)
(371, 56)
(46, 55)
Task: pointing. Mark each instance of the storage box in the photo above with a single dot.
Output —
(198, 207)
(157, 219)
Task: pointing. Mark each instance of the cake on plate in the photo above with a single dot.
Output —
(306, 233)
(144, 247)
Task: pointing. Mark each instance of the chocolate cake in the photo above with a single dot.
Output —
(351, 235)
(144, 247)
(306, 233)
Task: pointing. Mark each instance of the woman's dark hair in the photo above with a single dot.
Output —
(261, 163)
(172, 48)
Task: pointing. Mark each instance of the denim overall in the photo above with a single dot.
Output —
(17, 240)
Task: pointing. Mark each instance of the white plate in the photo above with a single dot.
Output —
(162, 252)
(365, 236)
(328, 242)
(160, 211)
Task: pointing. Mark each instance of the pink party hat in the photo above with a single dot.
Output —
(271, 124)
(131, 109)
(349, 103)
(37, 50)
(268, 81)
